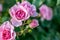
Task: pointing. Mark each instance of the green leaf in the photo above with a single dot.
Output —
(17, 38)
(46, 23)
(17, 29)
(4, 18)
(37, 35)
(51, 3)
(30, 1)
(58, 2)
(57, 15)
(37, 3)
(10, 3)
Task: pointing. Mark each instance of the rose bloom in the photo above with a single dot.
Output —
(18, 12)
(1, 7)
(7, 31)
(46, 12)
(30, 8)
(34, 23)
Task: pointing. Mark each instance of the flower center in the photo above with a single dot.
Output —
(20, 14)
(6, 34)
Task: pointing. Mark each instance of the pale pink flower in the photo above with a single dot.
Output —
(7, 31)
(30, 8)
(34, 23)
(19, 13)
(46, 12)
(1, 7)
(15, 23)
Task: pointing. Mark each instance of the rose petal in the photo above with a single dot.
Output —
(15, 23)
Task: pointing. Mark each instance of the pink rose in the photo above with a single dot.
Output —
(15, 23)
(7, 31)
(1, 7)
(34, 23)
(30, 8)
(19, 13)
(46, 12)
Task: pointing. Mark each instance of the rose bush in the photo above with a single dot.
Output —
(29, 20)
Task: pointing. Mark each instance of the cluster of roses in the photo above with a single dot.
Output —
(19, 13)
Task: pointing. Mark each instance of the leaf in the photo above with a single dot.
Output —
(17, 29)
(37, 3)
(10, 3)
(46, 23)
(17, 38)
(58, 2)
(4, 18)
(37, 35)
(51, 3)
(56, 17)
(30, 1)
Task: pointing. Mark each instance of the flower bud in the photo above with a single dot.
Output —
(34, 23)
